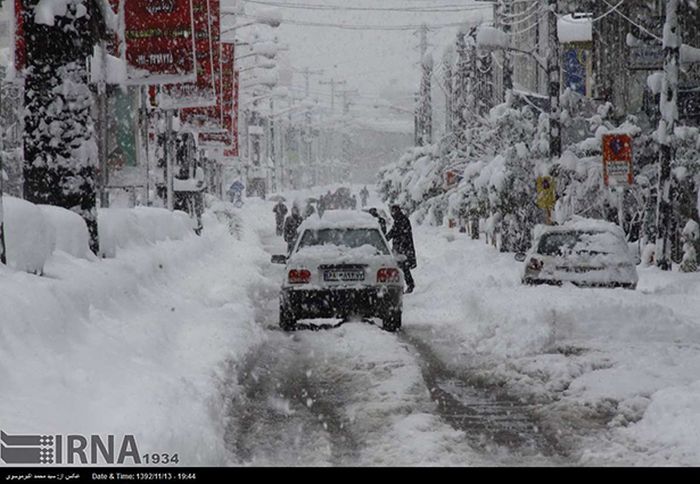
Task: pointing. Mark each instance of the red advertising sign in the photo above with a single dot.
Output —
(20, 42)
(160, 45)
(208, 119)
(201, 93)
(617, 159)
(225, 102)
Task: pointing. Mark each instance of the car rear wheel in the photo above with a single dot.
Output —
(392, 322)
(288, 321)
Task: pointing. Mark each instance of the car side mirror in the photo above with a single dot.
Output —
(279, 259)
(520, 257)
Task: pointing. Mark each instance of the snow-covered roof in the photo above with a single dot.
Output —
(582, 224)
(335, 219)
(574, 28)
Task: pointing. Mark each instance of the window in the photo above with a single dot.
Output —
(351, 238)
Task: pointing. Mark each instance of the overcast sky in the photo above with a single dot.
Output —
(367, 60)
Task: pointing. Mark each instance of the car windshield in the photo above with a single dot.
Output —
(581, 243)
(351, 238)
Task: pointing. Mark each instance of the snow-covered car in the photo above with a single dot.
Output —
(341, 266)
(585, 252)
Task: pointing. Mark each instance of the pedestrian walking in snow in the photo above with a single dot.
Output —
(364, 195)
(291, 225)
(401, 234)
(280, 213)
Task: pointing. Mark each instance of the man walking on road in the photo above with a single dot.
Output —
(280, 212)
(364, 195)
(402, 235)
(290, 228)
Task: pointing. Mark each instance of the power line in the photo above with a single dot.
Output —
(338, 8)
(365, 27)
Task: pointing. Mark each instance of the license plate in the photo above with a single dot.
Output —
(343, 275)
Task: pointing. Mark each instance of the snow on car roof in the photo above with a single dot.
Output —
(336, 219)
(580, 224)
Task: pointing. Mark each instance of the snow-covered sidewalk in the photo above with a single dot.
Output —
(616, 366)
(140, 344)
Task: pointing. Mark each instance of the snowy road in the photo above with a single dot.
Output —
(356, 395)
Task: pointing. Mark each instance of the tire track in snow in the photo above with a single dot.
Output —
(488, 416)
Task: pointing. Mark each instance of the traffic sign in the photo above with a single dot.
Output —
(617, 159)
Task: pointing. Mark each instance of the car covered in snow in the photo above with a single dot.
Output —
(585, 252)
(341, 266)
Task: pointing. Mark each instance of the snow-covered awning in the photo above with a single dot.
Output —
(575, 28)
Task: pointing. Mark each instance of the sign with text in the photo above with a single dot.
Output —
(202, 92)
(225, 101)
(617, 159)
(159, 41)
(209, 119)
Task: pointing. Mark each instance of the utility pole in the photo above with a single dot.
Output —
(424, 121)
(3, 255)
(461, 93)
(307, 73)
(332, 83)
(169, 155)
(668, 106)
(143, 119)
(503, 12)
(553, 73)
(102, 101)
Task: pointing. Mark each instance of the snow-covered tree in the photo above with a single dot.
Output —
(60, 152)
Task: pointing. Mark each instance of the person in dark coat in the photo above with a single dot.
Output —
(280, 212)
(382, 222)
(364, 195)
(401, 234)
(290, 228)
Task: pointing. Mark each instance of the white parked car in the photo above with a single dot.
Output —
(585, 252)
(341, 266)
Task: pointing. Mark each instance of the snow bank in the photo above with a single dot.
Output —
(72, 236)
(144, 343)
(122, 228)
(629, 357)
(29, 235)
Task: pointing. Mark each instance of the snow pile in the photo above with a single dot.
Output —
(574, 29)
(488, 37)
(142, 344)
(122, 228)
(627, 357)
(29, 235)
(72, 236)
(46, 11)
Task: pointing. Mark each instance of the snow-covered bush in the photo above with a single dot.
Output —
(29, 236)
(72, 236)
(691, 235)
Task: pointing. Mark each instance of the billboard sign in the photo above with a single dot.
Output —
(202, 92)
(159, 41)
(208, 119)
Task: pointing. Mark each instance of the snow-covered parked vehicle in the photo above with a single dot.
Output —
(341, 266)
(585, 252)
